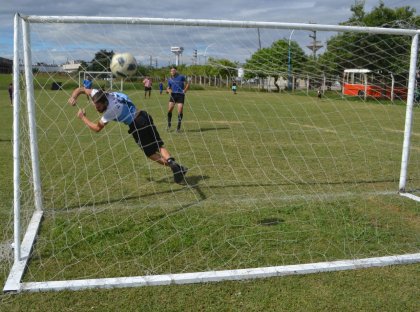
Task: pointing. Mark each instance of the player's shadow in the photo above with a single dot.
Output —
(189, 180)
(207, 129)
(193, 183)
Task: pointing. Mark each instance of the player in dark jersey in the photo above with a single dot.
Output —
(177, 87)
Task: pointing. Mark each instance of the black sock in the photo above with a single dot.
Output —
(180, 120)
(169, 118)
(173, 165)
(171, 161)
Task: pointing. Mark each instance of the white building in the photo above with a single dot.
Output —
(71, 66)
(44, 68)
(241, 73)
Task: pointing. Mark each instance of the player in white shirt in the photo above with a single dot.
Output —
(117, 106)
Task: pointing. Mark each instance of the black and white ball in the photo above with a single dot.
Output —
(123, 65)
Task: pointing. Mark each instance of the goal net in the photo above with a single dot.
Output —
(97, 80)
(298, 171)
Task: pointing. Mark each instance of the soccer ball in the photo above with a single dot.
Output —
(123, 65)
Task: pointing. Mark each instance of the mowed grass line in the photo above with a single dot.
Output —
(288, 154)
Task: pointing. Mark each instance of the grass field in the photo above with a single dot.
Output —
(274, 179)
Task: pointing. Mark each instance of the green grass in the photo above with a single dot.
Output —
(274, 179)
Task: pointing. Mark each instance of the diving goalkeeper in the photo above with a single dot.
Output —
(115, 106)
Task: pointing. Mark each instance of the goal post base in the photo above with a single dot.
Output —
(220, 276)
(13, 282)
(411, 196)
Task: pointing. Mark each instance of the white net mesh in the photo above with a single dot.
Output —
(303, 175)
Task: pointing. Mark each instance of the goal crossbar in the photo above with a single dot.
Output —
(215, 23)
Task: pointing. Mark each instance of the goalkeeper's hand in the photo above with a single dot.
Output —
(81, 113)
(72, 101)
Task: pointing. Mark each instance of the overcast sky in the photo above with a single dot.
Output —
(322, 11)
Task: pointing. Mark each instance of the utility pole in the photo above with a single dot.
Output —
(289, 64)
(259, 39)
(194, 57)
(314, 45)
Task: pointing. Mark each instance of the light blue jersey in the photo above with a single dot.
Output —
(120, 108)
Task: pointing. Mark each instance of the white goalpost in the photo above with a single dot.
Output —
(409, 120)
(281, 182)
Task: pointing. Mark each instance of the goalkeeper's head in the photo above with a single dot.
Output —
(100, 100)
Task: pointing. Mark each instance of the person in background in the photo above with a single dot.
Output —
(11, 93)
(319, 93)
(87, 83)
(147, 82)
(177, 87)
(160, 87)
(234, 87)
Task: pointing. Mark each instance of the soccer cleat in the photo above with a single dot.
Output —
(179, 173)
(178, 170)
(184, 170)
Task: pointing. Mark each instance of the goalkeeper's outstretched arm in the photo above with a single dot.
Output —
(92, 126)
(75, 94)
(81, 113)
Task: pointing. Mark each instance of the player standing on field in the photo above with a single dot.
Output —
(234, 87)
(117, 106)
(147, 82)
(177, 92)
(10, 89)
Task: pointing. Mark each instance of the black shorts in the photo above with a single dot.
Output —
(177, 98)
(145, 133)
(147, 88)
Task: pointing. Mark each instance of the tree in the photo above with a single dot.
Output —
(83, 66)
(223, 67)
(358, 9)
(386, 53)
(101, 61)
(143, 70)
(274, 61)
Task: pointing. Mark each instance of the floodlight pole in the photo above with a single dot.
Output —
(177, 51)
(289, 64)
(205, 53)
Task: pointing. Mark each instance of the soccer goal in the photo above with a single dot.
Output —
(294, 168)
